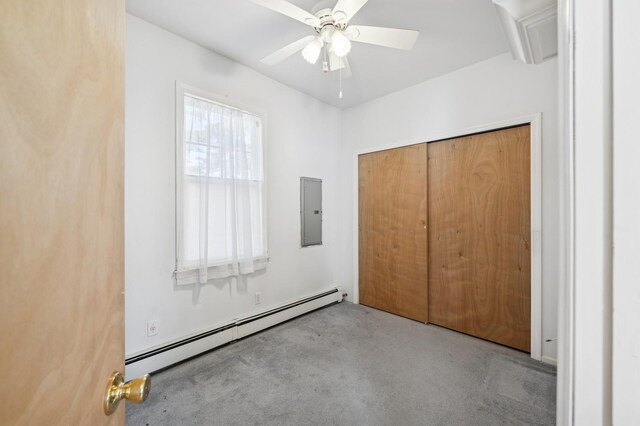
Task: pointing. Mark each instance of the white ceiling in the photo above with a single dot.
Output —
(453, 34)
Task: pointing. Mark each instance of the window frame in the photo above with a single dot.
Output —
(182, 89)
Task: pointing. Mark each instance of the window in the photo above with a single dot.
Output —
(221, 228)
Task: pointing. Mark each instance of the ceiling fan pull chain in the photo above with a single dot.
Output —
(325, 64)
(340, 94)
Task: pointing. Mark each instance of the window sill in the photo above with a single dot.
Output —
(191, 275)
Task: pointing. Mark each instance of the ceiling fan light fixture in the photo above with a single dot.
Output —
(311, 51)
(340, 44)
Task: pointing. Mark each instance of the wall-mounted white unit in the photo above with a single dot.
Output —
(170, 353)
(531, 26)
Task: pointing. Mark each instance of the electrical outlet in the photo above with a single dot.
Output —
(152, 328)
(258, 295)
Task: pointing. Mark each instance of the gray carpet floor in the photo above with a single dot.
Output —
(351, 365)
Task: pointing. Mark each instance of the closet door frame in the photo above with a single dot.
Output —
(535, 123)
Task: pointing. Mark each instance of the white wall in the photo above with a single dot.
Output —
(303, 139)
(626, 221)
(599, 382)
(592, 148)
(490, 91)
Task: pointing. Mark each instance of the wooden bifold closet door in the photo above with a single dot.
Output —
(392, 230)
(479, 232)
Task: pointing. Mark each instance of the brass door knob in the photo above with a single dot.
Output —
(135, 391)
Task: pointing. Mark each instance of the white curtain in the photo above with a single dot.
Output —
(221, 227)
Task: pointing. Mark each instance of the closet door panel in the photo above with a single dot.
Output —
(479, 235)
(392, 230)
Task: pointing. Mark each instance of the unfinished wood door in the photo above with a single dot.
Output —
(392, 231)
(479, 236)
(61, 209)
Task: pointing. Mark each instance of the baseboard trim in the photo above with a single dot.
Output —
(166, 355)
(549, 360)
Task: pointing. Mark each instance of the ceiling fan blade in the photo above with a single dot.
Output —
(290, 10)
(345, 9)
(287, 51)
(388, 37)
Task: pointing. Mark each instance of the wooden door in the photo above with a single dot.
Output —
(392, 230)
(61, 209)
(479, 236)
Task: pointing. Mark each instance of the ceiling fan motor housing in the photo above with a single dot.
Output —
(324, 11)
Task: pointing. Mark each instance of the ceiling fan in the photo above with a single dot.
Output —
(334, 34)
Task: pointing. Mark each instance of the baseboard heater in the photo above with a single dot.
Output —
(174, 352)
